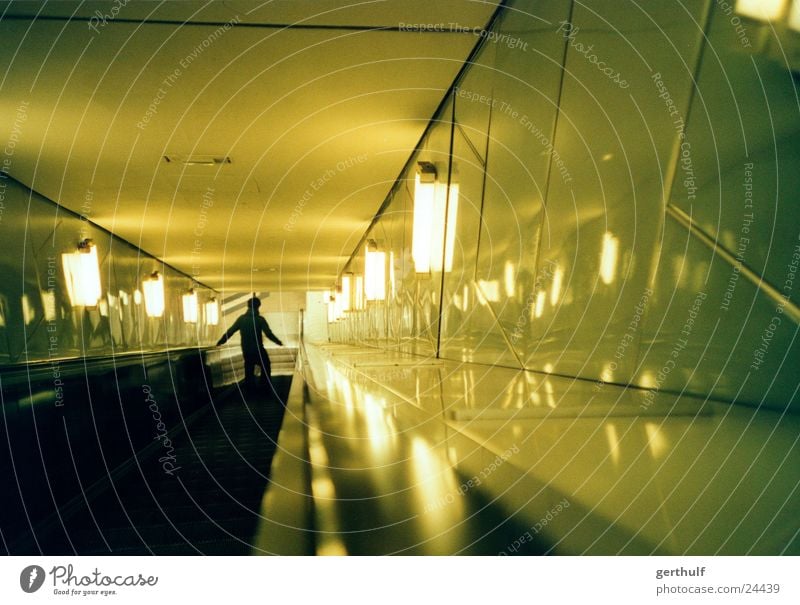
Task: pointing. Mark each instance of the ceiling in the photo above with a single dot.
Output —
(316, 110)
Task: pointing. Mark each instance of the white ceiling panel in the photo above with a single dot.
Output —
(316, 122)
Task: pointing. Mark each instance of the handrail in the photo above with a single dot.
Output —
(287, 510)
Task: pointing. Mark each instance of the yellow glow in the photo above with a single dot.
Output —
(346, 292)
(102, 306)
(424, 198)
(137, 297)
(330, 304)
(49, 303)
(488, 291)
(375, 275)
(82, 274)
(607, 374)
(613, 443)
(153, 287)
(448, 245)
(763, 10)
(322, 487)
(435, 487)
(28, 312)
(466, 298)
(379, 432)
(648, 380)
(655, 440)
(608, 258)
(359, 302)
(555, 290)
(794, 16)
(190, 307)
(452, 217)
(509, 279)
(212, 312)
(540, 298)
(392, 288)
(338, 305)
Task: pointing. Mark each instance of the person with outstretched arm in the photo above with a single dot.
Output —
(251, 325)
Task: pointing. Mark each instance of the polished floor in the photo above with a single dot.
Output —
(585, 467)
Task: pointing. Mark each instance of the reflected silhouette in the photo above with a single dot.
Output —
(251, 325)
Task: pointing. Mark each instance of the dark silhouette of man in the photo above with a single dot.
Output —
(251, 325)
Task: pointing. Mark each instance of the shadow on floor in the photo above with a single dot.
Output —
(202, 496)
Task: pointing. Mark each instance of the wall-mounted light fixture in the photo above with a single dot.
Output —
(153, 287)
(212, 312)
(190, 307)
(374, 272)
(424, 201)
(433, 237)
(82, 274)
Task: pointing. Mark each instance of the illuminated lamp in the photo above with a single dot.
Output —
(212, 312)
(82, 275)
(374, 273)
(153, 287)
(424, 202)
(190, 307)
(347, 291)
(763, 10)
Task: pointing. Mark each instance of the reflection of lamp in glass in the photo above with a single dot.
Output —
(153, 287)
(212, 312)
(424, 200)
(509, 279)
(375, 273)
(539, 308)
(347, 291)
(82, 274)
(190, 307)
(608, 258)
(359, 294)
(763, 10)
(338, 305)
(330, 302)
(49, 303)
(28, 312)
(444, 207)
(392, 280)
(794, 16)
(555, 292)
